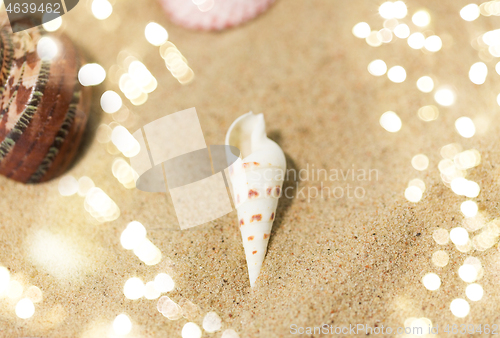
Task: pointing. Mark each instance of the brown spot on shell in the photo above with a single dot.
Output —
(242, 222)
(278, 190)
(269, 191)
(251, 238)
(32, 59)
(23, 96)
(253, 193)
(249, 164)
(266, 236)
(272, 216)
(256, 218)
(254, 252)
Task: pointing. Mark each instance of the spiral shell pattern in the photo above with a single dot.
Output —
(43, 107)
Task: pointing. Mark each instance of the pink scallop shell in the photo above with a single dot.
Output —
(224, 13)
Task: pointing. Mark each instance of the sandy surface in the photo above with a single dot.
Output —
(335, 261)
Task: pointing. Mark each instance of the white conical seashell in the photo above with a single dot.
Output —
(256, 182)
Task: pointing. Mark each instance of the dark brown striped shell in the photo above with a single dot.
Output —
(44, 108)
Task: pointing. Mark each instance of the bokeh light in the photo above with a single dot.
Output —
(385, 35)
(177, 64)
(413, 194)
(134, 288)
(396, 74)
(212, 322)
(84, 185)
(418, 325)
(134, 238)
(377, 67)
(465, 127)
(387, 10)
(47, 48)
(151, 292)
(464, 187)
(445, 96)
(475, 262)
(390, 121)
(122, 325)
(138, 82)
(191, 330)
(474, 292)
(125, 142)
(124, 173)
(34, 294)
(478, 73)
(488, 236)
(420, 162)
(230, 333)
(428, 113)
(156, 34)
(491, 38)
(147, 252)
(441, 236)
(459, 307)
(373, 39)
(402, 31)
(467, 273)
(440, 258)
(459, 236)
(465, 247)
(164, 283)
(53, 25)
(391, 24)
(25, 308)
(417, 182)
(469, 208)
(470, 12)
(467, 159)
(474, 223)
(101, 9)
(111, 102)
(101, 206)
(450, 150)
(399, 9)
(91, 74)
(142, 77)
(416, 40)
(449, 171)
(431, 281)
(68, 185)
(421, 18)
(168, 308)
(433, 43)
(133, 235)
(425, 84)
(361, 30)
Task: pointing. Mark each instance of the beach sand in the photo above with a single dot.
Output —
(331, 260)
